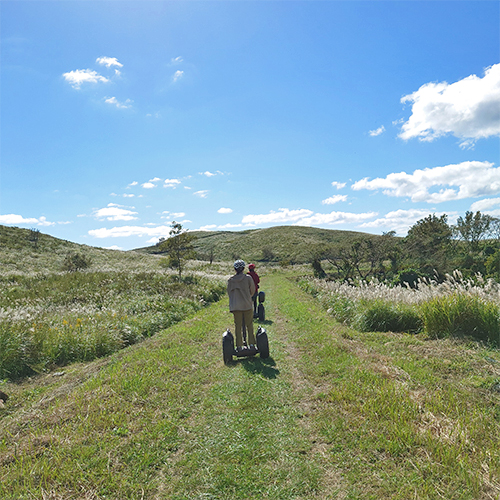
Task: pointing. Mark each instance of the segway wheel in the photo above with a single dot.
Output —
(227, 347)
(261, 311)
(262, 343)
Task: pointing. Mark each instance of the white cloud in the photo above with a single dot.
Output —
(485, 204)
(225, 210)
(305, 217)
(176, 60)
(202, 194)
(42, 221)
(108, 62)
(399, 220)
(171, 183)
(120, 105)
(468, 109)
(211, 227)
(338, 185)
(211, 174)
(134, 183)
(128, 195)
(114, 212)
(151, 183)
(377, 131)
(334, 199)
(127, 231)
(470, 179)
(177, 75)
(19, 219)
(78, 77)
(334, 218)
(283, 215)
(114, 247)
(172, 215)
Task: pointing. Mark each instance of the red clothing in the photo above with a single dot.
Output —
(255, 278)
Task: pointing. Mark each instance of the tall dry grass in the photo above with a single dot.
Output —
(49, 320)
(457, 306)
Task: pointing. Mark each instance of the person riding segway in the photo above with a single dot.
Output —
(241, 288)
(256, 280)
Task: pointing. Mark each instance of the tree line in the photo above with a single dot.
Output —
(432, 249)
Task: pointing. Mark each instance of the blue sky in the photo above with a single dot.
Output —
(119, 117)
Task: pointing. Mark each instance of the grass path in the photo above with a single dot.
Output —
(331, 414)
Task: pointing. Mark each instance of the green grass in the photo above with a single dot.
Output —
(400, 417)
(382, 316)
(51, 320)
(166, 418)
(460, 314)
(334, 413)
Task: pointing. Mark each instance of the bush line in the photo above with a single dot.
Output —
(455, 308)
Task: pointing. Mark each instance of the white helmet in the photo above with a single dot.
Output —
(239, 264)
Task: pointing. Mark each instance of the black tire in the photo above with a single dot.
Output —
(227, 347)
(261, 311)
(262, 343)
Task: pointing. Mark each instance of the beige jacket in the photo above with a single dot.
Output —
(240, 289)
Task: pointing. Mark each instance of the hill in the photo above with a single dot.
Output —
(274, 244)
(25, 251)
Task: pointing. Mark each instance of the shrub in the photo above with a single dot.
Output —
(408, 277)
(268, 254)
(460, 314)
(381, 316)
(75, 262)
(318, 271)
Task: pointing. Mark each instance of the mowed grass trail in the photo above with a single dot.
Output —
(331, 414)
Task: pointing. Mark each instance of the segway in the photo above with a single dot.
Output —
(228, 349)
(261, 310)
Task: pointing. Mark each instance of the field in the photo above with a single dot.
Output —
(338, 411)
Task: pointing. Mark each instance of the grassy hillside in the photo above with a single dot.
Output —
(275, 244)
(19, 254)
